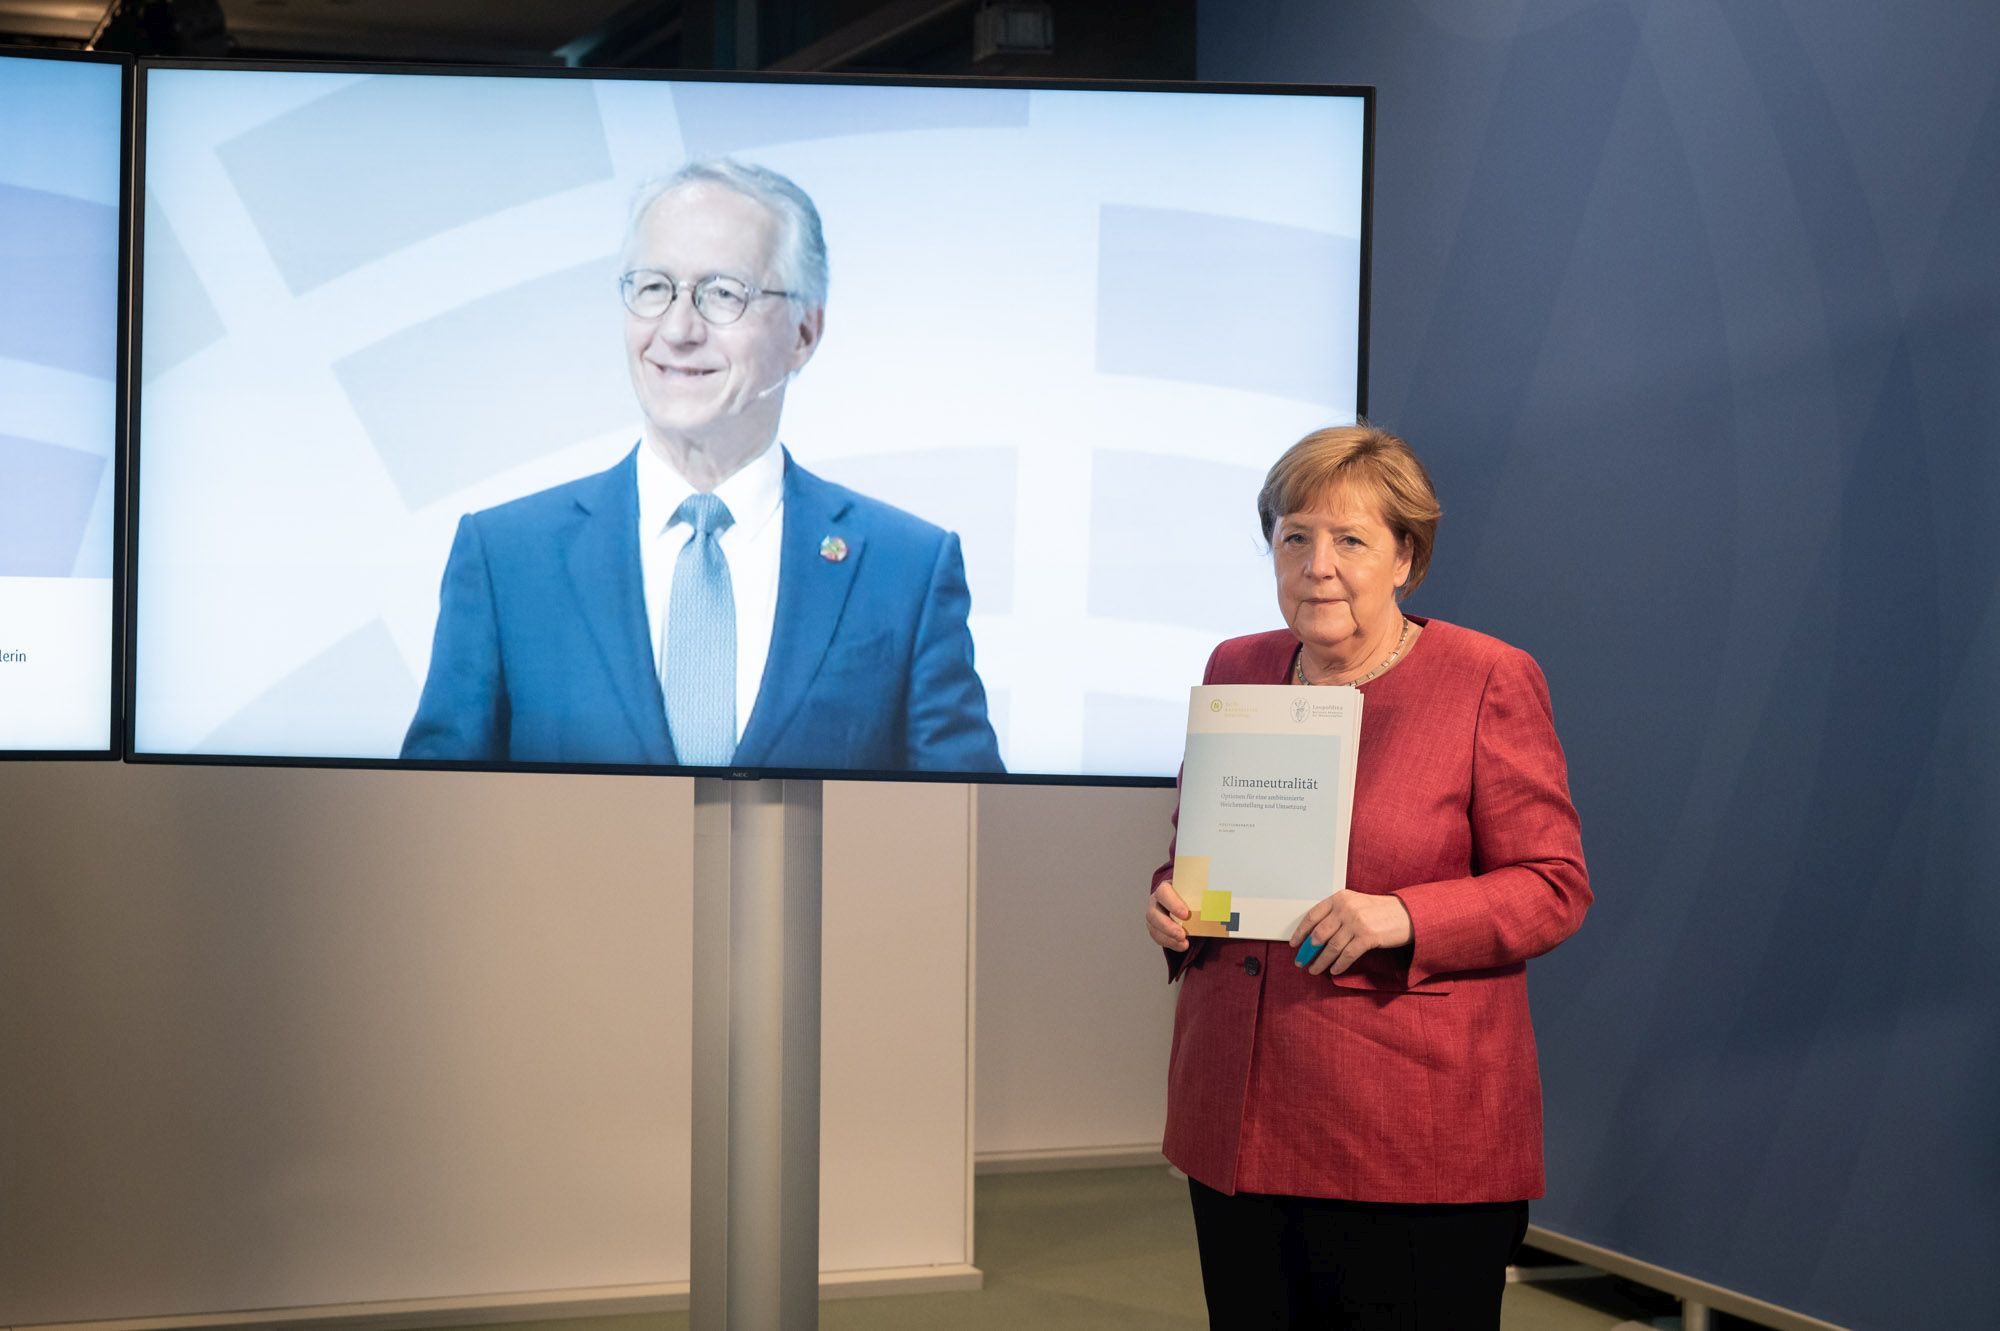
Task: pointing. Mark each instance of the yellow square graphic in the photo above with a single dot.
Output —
(1215, 907)
(1191, 885)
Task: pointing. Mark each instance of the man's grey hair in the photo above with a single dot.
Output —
(801, 250)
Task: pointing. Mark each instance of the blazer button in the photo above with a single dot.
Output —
(1251, 966)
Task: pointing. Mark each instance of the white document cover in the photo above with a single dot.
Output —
(1267, 794)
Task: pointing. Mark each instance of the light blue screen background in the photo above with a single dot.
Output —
(1074, 327)
(59, 164)
(61, 128)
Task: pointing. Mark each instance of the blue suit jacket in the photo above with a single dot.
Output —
(543, 651)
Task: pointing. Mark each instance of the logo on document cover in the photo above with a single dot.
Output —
(1301, 709)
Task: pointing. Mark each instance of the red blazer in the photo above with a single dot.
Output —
(1411, 1078)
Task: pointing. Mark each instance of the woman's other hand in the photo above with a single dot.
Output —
(1348, 924)
(1164, 914)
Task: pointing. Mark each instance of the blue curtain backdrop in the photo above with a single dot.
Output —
(1694, 310)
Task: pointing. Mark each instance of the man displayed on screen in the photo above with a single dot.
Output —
(707, 601)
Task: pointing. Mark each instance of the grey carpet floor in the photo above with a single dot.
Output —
(1111, 1249)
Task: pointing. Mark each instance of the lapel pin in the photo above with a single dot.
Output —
(833, 549)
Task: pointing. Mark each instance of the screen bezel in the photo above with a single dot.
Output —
(129, 530)
(117, 731)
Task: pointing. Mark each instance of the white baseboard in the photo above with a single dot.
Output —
(900, 1280)
(1072, 1157)
(536, 1306)
(457, 1310)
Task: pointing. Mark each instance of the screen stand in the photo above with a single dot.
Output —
(754, 1259)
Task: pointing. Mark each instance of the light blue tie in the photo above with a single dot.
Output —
(700, 659)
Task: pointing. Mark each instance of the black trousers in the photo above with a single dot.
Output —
(1302, 1262)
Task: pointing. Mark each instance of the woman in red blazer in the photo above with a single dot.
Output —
(1362, 1124)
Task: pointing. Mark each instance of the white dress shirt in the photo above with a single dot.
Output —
(755, 497)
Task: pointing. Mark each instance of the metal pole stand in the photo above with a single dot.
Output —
(755, 1204)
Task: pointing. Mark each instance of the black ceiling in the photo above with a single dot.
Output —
(1091, 38)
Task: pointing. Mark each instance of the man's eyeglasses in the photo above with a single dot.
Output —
(718, 299)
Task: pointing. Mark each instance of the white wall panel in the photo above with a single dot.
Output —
(285, 1038)
(1075, 1015)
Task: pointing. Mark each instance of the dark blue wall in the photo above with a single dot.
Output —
(1694, 310)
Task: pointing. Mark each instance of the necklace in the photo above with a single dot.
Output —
(1402, 642)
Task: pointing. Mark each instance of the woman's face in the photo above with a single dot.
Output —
(1338, 567)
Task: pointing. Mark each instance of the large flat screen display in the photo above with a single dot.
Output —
(725, 424)
(62, 173)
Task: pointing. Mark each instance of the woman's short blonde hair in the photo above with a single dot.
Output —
(1379, 464)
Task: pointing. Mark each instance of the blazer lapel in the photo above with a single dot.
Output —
(1276, 667)
(603, 566)
(812, 592)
